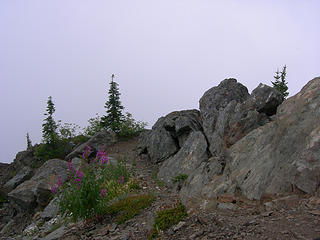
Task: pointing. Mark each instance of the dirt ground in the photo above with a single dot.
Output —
(288, 217)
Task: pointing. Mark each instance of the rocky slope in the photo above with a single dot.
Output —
(247, 166)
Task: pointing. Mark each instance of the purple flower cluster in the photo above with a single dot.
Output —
(101, 157)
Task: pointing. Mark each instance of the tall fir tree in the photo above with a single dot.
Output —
(114, 117)
(49, 127)
(29, 144)
(280, 82)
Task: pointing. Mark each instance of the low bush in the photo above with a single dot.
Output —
(129, 207)
(179, 178)
(167, 218)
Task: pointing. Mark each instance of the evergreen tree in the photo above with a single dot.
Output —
(29, 144)
(49, 127)
(114, 116)
(280, 82)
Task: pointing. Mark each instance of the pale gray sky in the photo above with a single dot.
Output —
(164, 53)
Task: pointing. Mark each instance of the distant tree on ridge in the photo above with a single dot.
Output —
(280, 82)
(114, 117)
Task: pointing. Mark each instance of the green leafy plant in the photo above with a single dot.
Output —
(167, 218)
(89, 189)
(179, 178)
(129, 207)
(129, 127)
(68, 130)
(94, 126)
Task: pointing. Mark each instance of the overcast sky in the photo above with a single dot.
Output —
(164, 53)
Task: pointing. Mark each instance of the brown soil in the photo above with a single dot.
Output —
(291, 217)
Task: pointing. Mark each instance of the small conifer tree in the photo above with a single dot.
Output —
(49, 127)
(113, 106)
(280, 82)
(29, 144)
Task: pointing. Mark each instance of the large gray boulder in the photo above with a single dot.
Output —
(189, 157)
(267, 99)
(100, 141)
(23, 175)
(282, 156)
(169, 134)
(216, 107)
(37, 190)
(23, 158)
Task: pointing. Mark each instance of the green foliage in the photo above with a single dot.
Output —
(94, 126)
(280, 82)
(114, 108)
(129, 207)
(57, 149)
(92, 186)
(179, 178)
(167, 218)
(129, 127)
(49, 127)
(29, 144)
(67, 130)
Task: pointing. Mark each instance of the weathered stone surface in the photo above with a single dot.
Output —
(169, 134)
(216, 107)
(21, 176)
(278, 157)
(37, 190)
(267, 99)
(99, 141)
(190, 156)
(51, 210)
(23, 158)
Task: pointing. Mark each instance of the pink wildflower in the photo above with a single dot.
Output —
(70, 167)
(103, 192)
(53, 188)
(60, 182)
(122, 180)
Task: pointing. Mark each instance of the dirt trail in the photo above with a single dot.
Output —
(298, 217)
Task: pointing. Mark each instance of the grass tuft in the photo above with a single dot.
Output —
(129, 207)
(167, 218)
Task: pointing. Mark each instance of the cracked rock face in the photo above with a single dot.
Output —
(248, 148)
(169, 134)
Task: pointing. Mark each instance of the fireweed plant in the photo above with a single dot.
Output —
(89, 189)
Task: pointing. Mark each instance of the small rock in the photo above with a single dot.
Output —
(195, 235)
(267, 214)
(226, 206)
(178, 226)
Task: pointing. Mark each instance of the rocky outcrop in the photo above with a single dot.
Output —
(216, 107)
(282, 156)
(190, 156)
(99, 141)
(37, 191)
(169, 134)
(238, 145)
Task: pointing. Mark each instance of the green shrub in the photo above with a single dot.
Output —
(179, 178)
(129, 128)
(129, 207)
(91, 187)
(167, 218)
